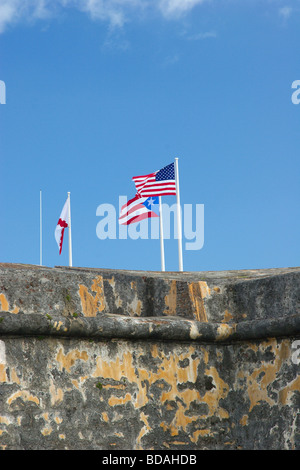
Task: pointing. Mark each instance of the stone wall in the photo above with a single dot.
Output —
(103, 359)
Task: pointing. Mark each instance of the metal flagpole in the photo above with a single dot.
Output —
(70, 236)
(161, 235)
(179, 229)
(41, 231)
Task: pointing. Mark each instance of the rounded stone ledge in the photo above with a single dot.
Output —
(146, 328)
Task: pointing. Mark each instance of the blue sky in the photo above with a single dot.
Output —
(100, 91)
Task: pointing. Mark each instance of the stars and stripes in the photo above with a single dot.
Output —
(138, 209)
(159, 183)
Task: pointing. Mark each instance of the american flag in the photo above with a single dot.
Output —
(159, 183)
(138, 209)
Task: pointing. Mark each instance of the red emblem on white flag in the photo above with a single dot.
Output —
(61, 225)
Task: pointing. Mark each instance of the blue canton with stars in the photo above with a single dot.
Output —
(166, 173)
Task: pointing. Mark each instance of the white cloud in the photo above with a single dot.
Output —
(115, 12)
(285, 12)
(112, 11)
(173, 8)
(199, 36)
(7, 13)
(13, 11)
(171, 60)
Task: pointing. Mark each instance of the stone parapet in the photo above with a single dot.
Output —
(110, 359)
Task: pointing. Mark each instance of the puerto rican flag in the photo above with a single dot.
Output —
(138, 209)
(61, 225)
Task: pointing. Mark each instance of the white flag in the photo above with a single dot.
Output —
(61, 225)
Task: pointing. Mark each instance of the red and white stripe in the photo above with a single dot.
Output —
(61, 225)
(134, 211)
(146, 185)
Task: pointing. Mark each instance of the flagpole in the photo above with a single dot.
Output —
(41, 231)
(179, 229)
(161, 234)
(70, 236)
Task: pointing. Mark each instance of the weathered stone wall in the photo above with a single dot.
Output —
(101, 359)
